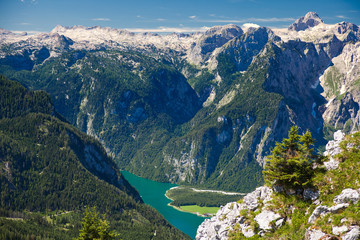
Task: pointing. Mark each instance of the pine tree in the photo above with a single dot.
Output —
(290, 164)
(94, 227)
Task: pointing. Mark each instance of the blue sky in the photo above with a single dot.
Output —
(167, 15)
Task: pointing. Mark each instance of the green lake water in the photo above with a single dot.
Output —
(153, 194)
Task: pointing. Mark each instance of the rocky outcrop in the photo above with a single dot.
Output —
(332, 149)
(229, 215)
(323, 210)
(257, 208)
(265, 218)
(348, 196)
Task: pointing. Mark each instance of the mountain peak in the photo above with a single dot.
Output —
(312, 15)
(311, 19)
(231, 30)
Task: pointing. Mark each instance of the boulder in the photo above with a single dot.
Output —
(353, 234)
(322, 210)
(251, 200)
(310, 194)
(332, 164)
(313, 234)
(339, 230)
(265, 218)
(347, 195)
(339, 135)
(332, 149)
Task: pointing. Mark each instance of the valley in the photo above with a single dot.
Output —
(190, 118)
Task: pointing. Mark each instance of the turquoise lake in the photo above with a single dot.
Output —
(153, 194)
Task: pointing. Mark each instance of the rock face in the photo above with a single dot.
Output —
(339, 82)
(212, 39)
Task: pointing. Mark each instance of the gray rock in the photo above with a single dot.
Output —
(353, 234)
(310, 194)
(317, 212)
(332, 149)
(338, 207)
(265, 218)
(339, 230)
(251, 200)
(247, 231)
(279, 222)
(313, 234)
(339, 135)
(278, 189)
(347, 195)
(229, 215)
(322, 210)
(331, 165)
(218, 226)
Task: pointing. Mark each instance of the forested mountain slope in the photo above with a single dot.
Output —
(50, 172)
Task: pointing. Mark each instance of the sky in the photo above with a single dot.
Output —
(34, 16)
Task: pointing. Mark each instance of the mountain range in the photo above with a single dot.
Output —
(203, 108)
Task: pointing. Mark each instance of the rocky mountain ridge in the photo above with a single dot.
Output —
(91, 38)
(195, 108)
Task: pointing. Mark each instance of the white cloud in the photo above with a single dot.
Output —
(160, 19)
(28, 32)
(250, 25)
(342, 17)
(101, 19)
(192, 17)
(272, 19)
(168, 30)
(25, 24)
(247, 20)
(31, 1)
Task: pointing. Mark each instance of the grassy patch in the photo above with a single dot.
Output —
(200, 210)
(185, 196)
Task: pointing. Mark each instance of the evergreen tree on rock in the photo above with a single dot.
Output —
(290, 164)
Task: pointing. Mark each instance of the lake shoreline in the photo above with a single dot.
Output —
(178, 208)
(154, 194)
(205, 215)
